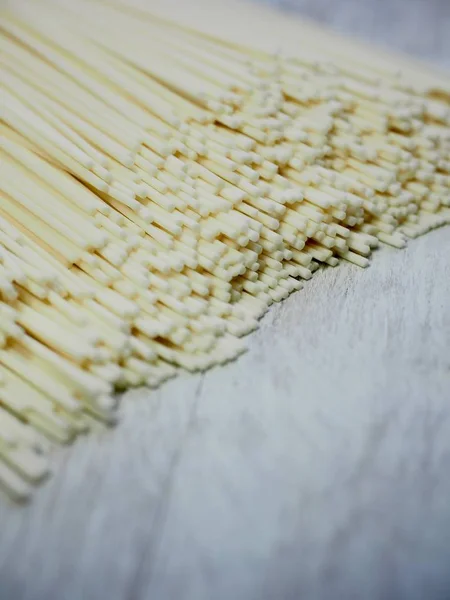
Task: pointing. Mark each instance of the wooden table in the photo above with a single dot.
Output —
(315, 467)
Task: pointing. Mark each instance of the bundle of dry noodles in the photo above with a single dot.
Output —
(160, 188)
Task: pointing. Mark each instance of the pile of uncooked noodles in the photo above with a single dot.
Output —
(159, 189)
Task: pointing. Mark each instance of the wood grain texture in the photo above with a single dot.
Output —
(315, 467)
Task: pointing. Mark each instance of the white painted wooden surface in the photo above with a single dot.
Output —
(315, 467)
